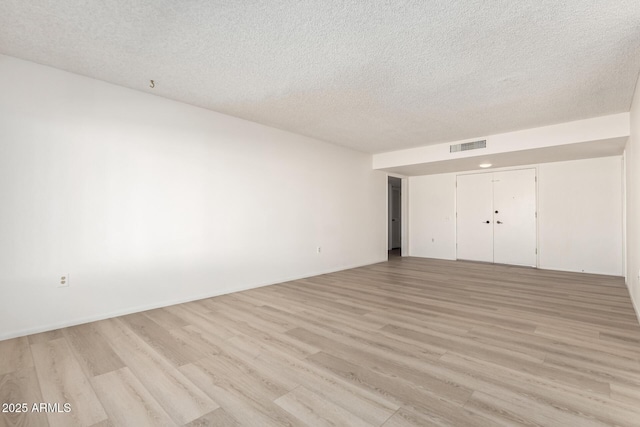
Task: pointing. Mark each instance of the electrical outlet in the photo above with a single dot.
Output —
(64, 281)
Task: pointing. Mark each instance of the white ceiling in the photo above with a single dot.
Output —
(372, 75)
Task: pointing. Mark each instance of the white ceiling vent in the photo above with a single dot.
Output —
(468, 146)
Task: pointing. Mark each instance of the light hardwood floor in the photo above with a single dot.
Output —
(409, 342)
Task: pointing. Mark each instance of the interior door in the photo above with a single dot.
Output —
(396, 228)
(514, 204)
(474, 222)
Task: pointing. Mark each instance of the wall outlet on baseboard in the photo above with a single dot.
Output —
(64, 280)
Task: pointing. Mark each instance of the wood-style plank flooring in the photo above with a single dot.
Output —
(409, 342)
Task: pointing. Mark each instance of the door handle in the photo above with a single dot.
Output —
(487, 222)
(499, 222)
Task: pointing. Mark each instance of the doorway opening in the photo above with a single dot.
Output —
(394, 217)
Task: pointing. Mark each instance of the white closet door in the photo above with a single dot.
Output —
(514, 204)
(474, 220)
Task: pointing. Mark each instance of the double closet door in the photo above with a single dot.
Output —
(496, 217)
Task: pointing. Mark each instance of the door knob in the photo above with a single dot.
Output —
(499, 222)
(487, 222)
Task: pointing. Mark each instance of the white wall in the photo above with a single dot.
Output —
(579, 216)
(632, 166)
(147, 202)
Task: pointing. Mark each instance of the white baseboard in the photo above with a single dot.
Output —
(636, 307)
(137, 309)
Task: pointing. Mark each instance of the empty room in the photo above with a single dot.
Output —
(338, 213)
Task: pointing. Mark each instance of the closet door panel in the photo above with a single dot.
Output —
(514, 203)
(474, 222)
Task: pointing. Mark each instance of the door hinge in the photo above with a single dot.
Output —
(536, 251)
(536, 178)
(536, 214)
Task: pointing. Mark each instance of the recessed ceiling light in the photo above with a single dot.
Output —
(485, 165)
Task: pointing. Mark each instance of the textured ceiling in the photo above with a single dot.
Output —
(372, 75)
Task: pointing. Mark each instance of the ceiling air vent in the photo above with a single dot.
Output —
(468, 146)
